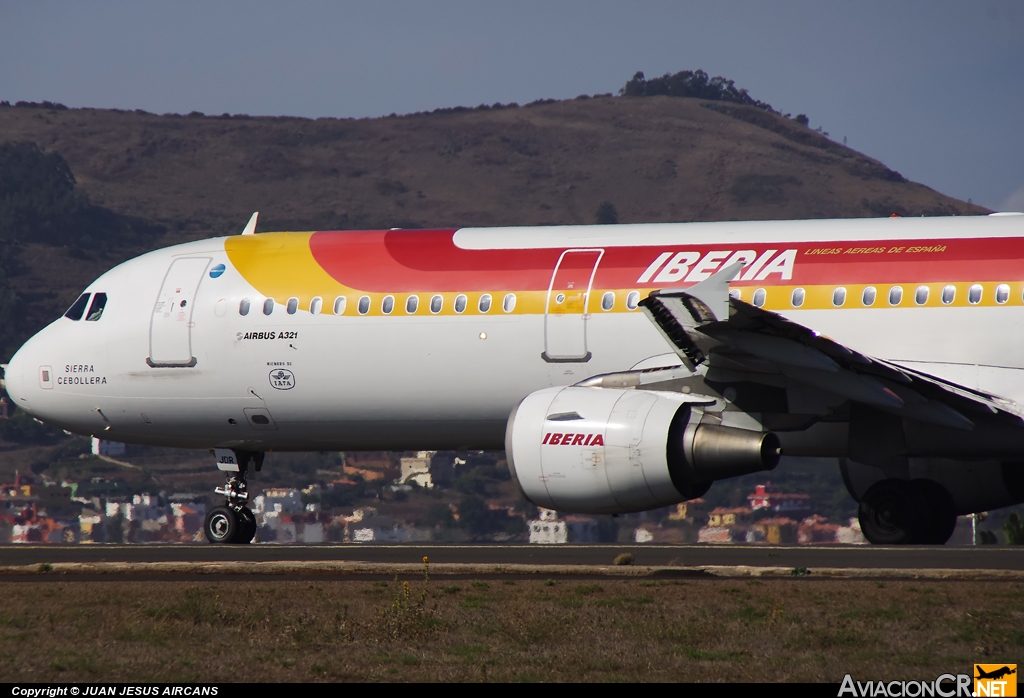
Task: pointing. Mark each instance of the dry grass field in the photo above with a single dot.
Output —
(802, 629)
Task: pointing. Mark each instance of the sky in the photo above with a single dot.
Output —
(934, 89)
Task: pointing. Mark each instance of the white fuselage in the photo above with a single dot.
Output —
(422, 380)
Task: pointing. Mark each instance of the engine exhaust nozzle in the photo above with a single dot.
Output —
(721, 452)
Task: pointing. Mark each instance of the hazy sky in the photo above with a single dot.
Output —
(933, 89)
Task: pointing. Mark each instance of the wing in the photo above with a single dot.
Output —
(732, 343)
(758, 345)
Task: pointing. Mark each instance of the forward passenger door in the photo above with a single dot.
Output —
(170, 329)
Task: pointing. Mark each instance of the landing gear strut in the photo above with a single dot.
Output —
(907, 512)
(233, 522)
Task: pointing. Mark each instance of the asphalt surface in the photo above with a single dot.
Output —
(961, 558)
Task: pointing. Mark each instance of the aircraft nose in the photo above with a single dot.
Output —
(16, 379)
(12, 380)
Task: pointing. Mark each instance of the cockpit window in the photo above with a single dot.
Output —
(99, 302)
(77, 308)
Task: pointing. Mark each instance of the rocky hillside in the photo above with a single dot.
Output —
(653, 158)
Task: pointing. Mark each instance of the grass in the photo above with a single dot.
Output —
(615, 630)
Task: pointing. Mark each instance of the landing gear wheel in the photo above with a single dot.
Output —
(246, 526)
(941, 512)
(893, 512)
(221, 525)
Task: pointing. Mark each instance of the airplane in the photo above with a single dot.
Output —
(621, 367)
(995, 673)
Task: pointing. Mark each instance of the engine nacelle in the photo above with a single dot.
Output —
(607, 451)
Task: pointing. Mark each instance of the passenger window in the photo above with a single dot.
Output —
(735, 293)
(895, 295)
(387, 305)
(340, 303)
(485, 303)
(508, 304)
(77, 308)
(921, 295)
(435, 304)
(293, 305)
(99, 301)
(268, 306)
(797, 298)
(460, 303)
(243, 307)
(412, 304)
(364, 305)
(839, 297)
(316, 305)
(760, 296)
(948, 294)
(868, 296)
(974, 294)
(633, 300)
(608, 300)
(1002, 293)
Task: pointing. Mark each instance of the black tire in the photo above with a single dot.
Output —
(221, 525)
(893, 512)
(941, 512)
(246, 526)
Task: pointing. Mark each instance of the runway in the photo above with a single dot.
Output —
(834, 557)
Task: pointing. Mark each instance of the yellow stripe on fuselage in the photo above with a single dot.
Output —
(281, 266)
(780, 298)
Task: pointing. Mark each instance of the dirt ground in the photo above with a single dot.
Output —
(505, 630)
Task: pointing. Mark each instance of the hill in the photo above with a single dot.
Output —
(655, 158)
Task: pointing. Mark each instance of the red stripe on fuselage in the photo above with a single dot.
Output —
(397, 261)
(428, 260)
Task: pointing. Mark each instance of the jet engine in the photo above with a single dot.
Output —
(609, 451)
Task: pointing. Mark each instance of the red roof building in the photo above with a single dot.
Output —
(767, 498)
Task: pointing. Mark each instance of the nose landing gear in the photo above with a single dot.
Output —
(233, 522)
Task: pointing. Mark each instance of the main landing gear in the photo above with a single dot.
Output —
(233, 522)
(907, 512)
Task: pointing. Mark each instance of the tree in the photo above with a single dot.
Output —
(39, 203)
(8, 302)
(471, 483)
(1013, 528)
(802, 119)
(606, 214)
(21, 428)
(37, 195)
(689, 83)
(439, 514)
(474, 515)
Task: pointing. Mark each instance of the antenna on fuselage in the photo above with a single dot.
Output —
(250, 227)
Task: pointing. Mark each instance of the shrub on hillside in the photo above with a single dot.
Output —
(607, 214)
(21, 428)
(39, 203)
(689, 83)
